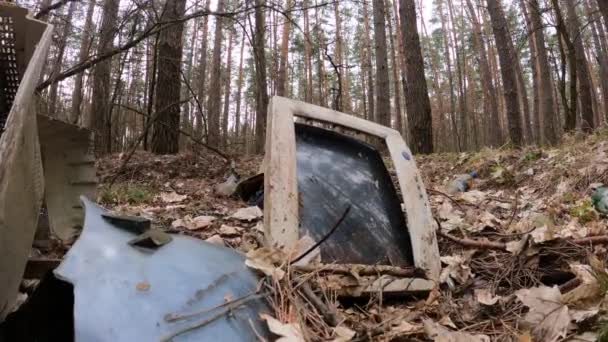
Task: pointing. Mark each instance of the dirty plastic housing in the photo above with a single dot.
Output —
(122, 293)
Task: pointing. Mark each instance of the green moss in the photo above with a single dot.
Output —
(126, 193)
(584, 212)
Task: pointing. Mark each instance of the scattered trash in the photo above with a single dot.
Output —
(600, 199)
(247, 214)
(462, 183)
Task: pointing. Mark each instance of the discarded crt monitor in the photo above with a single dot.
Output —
(114, 291)
(313, 174)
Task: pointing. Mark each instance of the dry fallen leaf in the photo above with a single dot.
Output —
(216, 240)
(196, 223)
(226, 230)
(548, 317)
(288, 332)
(343, 334)
(265, 260)
(247, 214)
(439, 333)
(485, 297)
(457, 269)
(172, 197)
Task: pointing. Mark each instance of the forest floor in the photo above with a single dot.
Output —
(522, 252)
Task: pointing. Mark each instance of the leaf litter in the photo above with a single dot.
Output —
(547, 282)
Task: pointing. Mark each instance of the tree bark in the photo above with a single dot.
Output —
(227, 82)
(448, 59)
(507, 62)
(603, 5)
(599, 38)
(490, 106)
(239, 90)
(202, 74)
(85, 46)
(282, 77)
(398, 124)
(58, 63)
(165, 136)
(535, 113)
(260, 79)
(214, 98)
(417, 101)
(100, 107)
(307, 55)
(383, 108)
(547, 110)
(585, 87)
(368, 65)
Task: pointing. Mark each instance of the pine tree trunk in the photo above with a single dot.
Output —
(165, 136)
(227, 81)
(202, 74)
(383, 108)
(603, 5)
(239, 90)
(448, 59)
(282, 77)
(320, 67)
(585, 88)
(85, 46)
(260, 79)
(535, 113)
(338, 60)
(601, 53)
(571, 109)
(307, 55)
(464, 120)
(214, 98)
(507, 62)
(58, 63)
(100, 107)
(417, 101)
(368, 65)
(490, 105)
(398, 124)
(547, 110)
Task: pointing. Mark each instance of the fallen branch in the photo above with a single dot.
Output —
(437, 192)
(329, 315)
(227, 308)
(362, 270)
(599, 239)
(480, 244)
(331, 231)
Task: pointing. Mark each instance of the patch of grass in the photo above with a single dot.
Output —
(126, 193)
(569, 198)
(584, 212)
(532, 155)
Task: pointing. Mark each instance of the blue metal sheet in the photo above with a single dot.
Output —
(122, 293)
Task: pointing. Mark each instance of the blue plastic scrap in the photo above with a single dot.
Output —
(178, 292)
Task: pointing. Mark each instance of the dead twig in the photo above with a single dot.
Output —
(362, 270)
(480, 244)
(437, 192)
(235, 304)
(597, 240)
(329, 314)
(331, 231)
